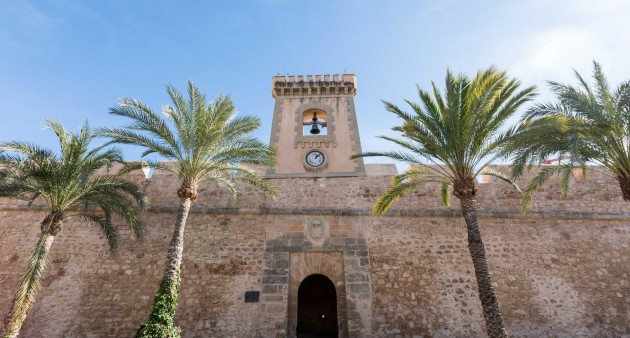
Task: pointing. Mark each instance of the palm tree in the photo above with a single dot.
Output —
(205, 142)
(589, 124)
(449, 139)
(70, 185)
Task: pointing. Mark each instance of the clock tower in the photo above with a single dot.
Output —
(315, 126)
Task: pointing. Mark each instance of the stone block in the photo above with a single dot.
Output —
(356, 277)
(359, 288)
(270, 288)
(275, 279)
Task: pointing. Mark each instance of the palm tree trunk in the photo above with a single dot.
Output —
(161, 322)
(491, 310)
(624, 184)
(176, 248)
(28, 288)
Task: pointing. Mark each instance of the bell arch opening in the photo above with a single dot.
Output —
(317, 308)
(314, 123)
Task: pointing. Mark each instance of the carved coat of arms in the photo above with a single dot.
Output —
(316, 230)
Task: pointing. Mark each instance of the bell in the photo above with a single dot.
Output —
(314, 127)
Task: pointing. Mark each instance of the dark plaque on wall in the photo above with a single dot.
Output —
(252, 296)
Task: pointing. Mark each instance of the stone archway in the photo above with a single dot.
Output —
(317, 308)
(329, 265)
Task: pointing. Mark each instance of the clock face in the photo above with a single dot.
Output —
(315, 159)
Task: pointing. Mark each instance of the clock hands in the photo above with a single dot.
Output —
(315, 158)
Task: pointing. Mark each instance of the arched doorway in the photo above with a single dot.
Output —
(317, 308)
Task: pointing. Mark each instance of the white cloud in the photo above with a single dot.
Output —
(577, 32)
(562, 46)
(550, 54)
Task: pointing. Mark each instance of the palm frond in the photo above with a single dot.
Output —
(501, 176)
(126, 136)
(587, 124)
(205, 140)
(445, 192)
(107, 226)
(539, 180)
(250, 177)
(453, 133)
(401, 185)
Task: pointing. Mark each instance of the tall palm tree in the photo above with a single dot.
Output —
(70, 186)
(449, 139)
(205, 142)
(589, 124)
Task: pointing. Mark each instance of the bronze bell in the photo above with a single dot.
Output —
(314, 127)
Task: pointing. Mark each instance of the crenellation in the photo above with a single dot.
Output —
(313, 85)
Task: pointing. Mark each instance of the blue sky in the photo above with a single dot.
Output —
(71, 60)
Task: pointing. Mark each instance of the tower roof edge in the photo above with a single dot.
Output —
(305, 85)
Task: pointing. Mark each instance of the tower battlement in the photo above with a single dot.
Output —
(304, 85)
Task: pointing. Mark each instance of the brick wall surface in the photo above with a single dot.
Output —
(560, 271)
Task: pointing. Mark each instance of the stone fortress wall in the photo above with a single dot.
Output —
(560, 271)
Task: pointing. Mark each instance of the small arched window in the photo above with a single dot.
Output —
(315, 123)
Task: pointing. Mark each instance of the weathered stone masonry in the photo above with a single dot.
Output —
(560, 271)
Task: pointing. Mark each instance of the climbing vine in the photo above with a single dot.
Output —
(161, 322)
